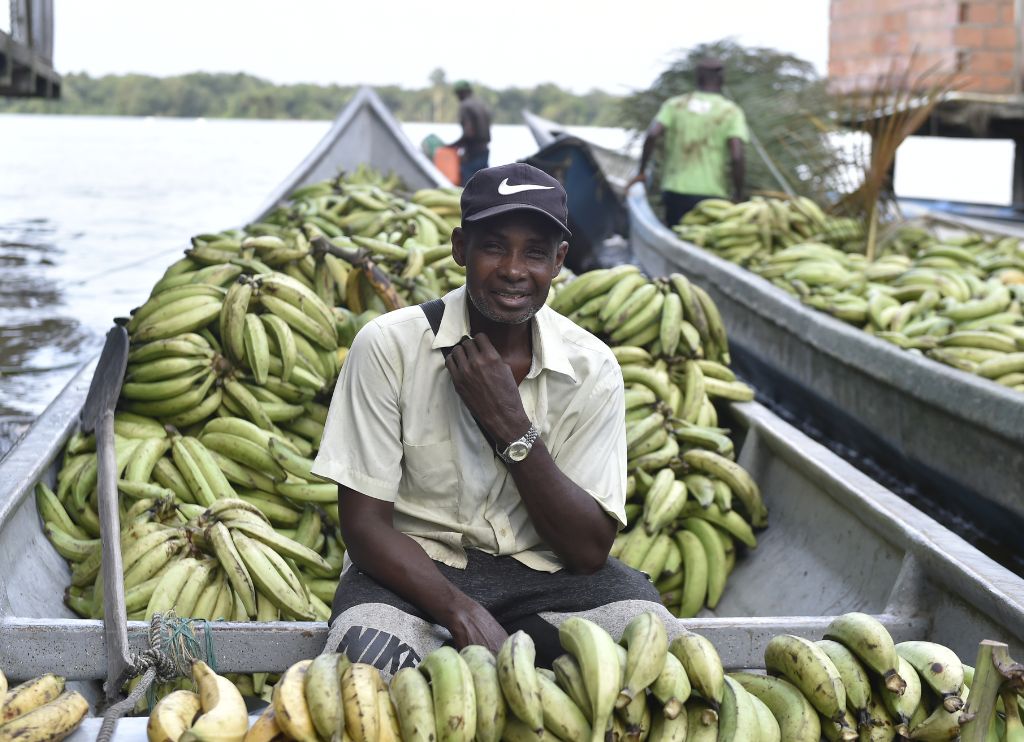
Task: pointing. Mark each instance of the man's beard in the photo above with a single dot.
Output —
(493, 316)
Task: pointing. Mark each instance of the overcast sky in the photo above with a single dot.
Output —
(614, 46)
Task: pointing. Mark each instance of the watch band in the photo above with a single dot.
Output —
(528, 438)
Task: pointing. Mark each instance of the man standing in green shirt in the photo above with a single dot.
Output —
(703, 131)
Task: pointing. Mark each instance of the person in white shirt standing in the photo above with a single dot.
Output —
(478, 442)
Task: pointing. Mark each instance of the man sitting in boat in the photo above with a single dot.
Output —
(478, 442)
(702, 130)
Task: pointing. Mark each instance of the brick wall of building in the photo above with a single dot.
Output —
(978, 39)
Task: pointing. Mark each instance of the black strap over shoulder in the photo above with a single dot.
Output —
(434, 311)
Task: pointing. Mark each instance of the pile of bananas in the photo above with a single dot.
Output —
(226, 561)
(39, 710)
(855, 684)
(232, 360)
(956, 298)
(688, 501)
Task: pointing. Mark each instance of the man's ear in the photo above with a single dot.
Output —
(459, 246)
(560, 253)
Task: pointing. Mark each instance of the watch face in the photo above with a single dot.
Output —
(518, 450)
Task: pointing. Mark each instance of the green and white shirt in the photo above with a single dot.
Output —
(698, 127)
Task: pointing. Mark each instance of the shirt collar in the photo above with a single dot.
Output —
(548, 347)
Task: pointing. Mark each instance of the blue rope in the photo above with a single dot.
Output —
(182, 644)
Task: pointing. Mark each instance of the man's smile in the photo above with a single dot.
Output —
(512, 297)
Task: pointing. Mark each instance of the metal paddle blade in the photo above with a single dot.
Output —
(106, 381)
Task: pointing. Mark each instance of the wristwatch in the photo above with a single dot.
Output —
(519, 449)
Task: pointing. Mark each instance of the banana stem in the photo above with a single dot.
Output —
(872, 232)
(357, 257)
(981, 704)
(360, 259)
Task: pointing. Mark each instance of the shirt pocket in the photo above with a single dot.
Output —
(430, 476)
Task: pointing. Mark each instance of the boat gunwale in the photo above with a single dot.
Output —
(364, 99)
(990, 405)
(26, 462)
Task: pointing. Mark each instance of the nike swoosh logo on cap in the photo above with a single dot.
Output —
(507, 190)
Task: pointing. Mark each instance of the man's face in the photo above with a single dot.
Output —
(510, 260)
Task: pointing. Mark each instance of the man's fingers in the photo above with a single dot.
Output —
(452, 364)
(484, 345)
(469, 347)
(457, 356)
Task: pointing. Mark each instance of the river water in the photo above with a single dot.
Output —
(92, 209)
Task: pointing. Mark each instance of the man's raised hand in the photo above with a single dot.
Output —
(486, 385)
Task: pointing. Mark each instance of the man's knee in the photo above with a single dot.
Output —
(377, 647)
(383, 636)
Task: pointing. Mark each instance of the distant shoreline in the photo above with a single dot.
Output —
(239, 96)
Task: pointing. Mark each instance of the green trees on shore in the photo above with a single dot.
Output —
(239, 95)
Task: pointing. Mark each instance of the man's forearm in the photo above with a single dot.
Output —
(566, 517)
(738, 176)
(654, 134)
(645, 154)
(739, 167)
(399, 563)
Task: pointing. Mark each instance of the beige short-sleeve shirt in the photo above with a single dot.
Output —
(398, 431)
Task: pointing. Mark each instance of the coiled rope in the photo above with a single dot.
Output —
(173, 647)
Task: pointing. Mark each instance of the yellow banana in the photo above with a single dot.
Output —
(172, 716)
(224, 717)
(451, 683)
(359, 686)
(54, 720)
(491, 707)
(291, 710)
(598, 659)
(265, 729)
(30, 695)
(518, 678)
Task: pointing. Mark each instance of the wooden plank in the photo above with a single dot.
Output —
(23, 67)
(30, 647)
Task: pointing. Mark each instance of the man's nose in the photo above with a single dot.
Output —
(512, 267)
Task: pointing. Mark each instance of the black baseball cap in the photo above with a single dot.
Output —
(497, 190)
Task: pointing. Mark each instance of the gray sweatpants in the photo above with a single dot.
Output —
(371, 624)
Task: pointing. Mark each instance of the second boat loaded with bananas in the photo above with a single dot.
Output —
(480, 446)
